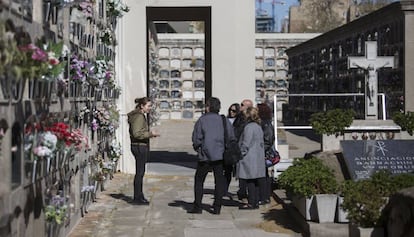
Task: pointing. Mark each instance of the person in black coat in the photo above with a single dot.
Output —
(265, 114)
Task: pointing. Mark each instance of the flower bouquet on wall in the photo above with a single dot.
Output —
(44, 64)
(78, 75)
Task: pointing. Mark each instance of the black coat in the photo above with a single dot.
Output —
(268, 134)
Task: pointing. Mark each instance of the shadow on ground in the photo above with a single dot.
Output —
(175, 158)
(280, 217)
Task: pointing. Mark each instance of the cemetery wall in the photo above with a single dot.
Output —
(58, 112)
(320, 65)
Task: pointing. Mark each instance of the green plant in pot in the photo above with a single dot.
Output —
(332, 122)
(363, 201)
(309, 178)
(405, 121)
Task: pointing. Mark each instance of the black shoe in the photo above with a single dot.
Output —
(241, 196)
(195, 210)
(216, 210)
(248, 207)
(141, 201)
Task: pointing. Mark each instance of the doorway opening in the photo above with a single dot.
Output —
(179, 61)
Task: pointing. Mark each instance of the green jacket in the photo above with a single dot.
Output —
(138, 128)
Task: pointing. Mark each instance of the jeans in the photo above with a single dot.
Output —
(201, 173)
(140, 153)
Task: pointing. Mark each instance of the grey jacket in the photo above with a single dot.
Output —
(208, 137)
(251, 143)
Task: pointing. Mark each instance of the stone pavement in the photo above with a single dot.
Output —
(170, 197)
(168, 185)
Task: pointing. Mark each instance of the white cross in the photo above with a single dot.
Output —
(371, 62)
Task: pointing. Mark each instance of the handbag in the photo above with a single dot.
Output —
(272, 157)
(232, 153)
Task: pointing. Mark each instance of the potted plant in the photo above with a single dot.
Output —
(330, 124)
(309, 180)
(363, 202)
(405, 121)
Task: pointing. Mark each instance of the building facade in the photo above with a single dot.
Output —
(180, 80)
(320, 65)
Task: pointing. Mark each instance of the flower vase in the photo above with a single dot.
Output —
(47, 7)
(91, 91)
(55, 15)
(48, 165)
(34, 171)
(11, 89)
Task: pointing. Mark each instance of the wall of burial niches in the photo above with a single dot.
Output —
(58, 112)
(181, 81)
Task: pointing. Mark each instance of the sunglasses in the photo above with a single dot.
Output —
(233, 110)
(242, 104)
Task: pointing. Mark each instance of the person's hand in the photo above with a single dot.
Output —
(155, 133)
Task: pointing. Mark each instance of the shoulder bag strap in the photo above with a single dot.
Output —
(225, 128)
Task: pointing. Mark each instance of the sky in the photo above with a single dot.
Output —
(281, 10)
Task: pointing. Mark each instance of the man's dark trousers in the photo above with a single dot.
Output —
(203, 167)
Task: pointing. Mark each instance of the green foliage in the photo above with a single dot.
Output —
(405, 121)
(115, 8)
(55, 214)
(402, 181)
(332, 122)
(363, 202)
(308, 177)
(364, 199)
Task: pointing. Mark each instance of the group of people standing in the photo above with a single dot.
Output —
(250, 126)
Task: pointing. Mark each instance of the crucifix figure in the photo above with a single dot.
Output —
(371, 62)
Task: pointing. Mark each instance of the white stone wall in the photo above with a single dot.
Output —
(233, 48)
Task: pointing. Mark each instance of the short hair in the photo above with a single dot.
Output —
(265, 112)
(141, 102)
(252, 115)
(214, 104)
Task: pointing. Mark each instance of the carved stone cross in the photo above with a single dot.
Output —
(371, 63)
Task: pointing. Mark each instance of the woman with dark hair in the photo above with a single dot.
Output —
(140, 135)
(265, 114)
(232, 113)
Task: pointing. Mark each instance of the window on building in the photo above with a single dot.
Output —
(175, 94)
(188, 104)
(164, 105)
(199, 84)
(187, 114)
(164, 84)
(176, 105)
(164, 74)
(175, 74)
(270, 62)
(176, 84)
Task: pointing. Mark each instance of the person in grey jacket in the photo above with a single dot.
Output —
(252, 166)
(208, 141)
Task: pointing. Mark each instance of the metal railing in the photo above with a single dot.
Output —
(384, 115)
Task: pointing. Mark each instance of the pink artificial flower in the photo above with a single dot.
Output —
(53, 61)
(108, 75)
(39, 55)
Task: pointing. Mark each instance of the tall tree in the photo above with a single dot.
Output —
(366, 6)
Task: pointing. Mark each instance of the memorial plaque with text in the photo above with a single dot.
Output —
(363, 158)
